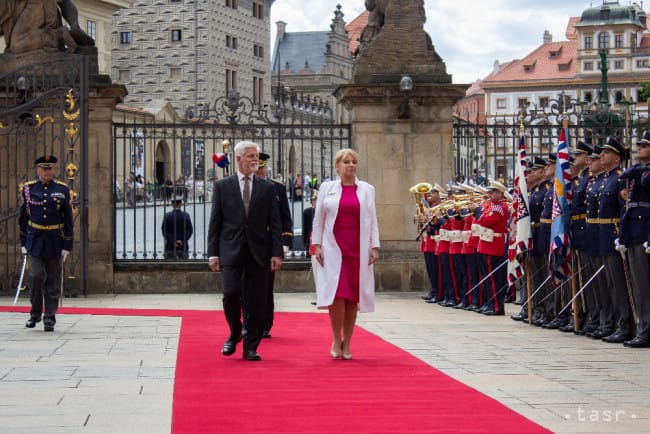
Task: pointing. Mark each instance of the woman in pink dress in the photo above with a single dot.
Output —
(346, 245)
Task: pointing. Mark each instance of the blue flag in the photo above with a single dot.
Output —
(560, 254)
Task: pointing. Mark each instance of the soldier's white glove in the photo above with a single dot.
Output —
(647, 247)
(23, 249)
(64, 254)
(285, 250)
(620, 247)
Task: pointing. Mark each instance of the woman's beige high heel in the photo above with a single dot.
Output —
(334, 354)
(344, 355)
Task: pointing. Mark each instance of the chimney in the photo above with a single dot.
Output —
(281, 27)
(548, 38)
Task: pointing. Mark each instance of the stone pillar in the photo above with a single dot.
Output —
(102, 99)
(397, 153)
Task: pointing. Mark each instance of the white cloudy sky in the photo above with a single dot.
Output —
(469, 35)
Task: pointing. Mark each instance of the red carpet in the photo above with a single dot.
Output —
(297, 388)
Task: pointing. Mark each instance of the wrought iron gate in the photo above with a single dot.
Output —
(490, 149)
(43, 109)
(155, 161)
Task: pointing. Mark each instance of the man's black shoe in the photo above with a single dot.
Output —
(618, 337)
(518, 302)
(491, 312)
(508, 299)
(31, 322)
(519, 317)
(266, 334)
(599, 334)
(460, 306)
(555, 323)
(431, 300)
(470, 307)
(638, 342)
(252, 356)
(230, 346)
(426, 297)
(48, 327)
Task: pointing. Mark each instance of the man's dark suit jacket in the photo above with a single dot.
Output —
(231, 232)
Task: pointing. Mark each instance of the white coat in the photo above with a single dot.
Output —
(327, 276)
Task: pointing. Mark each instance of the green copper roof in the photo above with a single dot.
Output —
(612, 13)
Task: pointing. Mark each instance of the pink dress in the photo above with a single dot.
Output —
(347, 235)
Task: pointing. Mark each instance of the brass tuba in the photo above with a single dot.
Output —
(419, 190)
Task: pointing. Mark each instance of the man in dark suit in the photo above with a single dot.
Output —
(244, 243)
(177, 230)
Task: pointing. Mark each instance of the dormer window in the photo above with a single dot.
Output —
(564, 66)
(604, 13)
(555, 53)
(529, 67)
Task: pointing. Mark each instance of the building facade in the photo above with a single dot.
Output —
(567, 76)
(190, 53)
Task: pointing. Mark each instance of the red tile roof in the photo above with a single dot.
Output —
(551, 61)
(355, 27)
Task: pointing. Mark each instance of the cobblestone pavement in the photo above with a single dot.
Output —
(108, 374)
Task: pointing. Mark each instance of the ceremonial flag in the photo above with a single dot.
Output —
(520, 234)
(560, 255)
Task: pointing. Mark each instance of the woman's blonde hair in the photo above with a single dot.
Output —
(340, 155)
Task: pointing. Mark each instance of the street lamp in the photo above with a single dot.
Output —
(405, 86)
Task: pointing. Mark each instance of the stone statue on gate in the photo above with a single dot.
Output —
(29, 25)
(394, 42)
(377, 10)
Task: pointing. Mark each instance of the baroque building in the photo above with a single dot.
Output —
(309, 66)
(561, 75)
(189, 53)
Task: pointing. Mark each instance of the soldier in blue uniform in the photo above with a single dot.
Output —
(287, 237)
(177, 230)
(610, 209)
(46, 231)
(543, 302)
(635, 229)
(595, 185)
(590, 317)
(537, 186)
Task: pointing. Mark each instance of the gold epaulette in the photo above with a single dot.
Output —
(60, 182)
(290, 234)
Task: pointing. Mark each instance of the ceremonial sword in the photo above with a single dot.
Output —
(20, 281)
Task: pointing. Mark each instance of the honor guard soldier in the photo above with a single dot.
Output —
(46, 231)
(610, 209)
(492, 247)
(544, 245)
(599, 284)
(177, 230)
(635, 229)
(428, 244)
(287, 235)
(448, 293)
(537, 185)
(578, 211)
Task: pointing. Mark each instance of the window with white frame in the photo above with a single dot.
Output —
(91, 29)
(501, 103)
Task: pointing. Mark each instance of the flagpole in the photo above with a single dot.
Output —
(574, 275)
(529, 289)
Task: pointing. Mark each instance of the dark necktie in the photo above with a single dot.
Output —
(247, 193)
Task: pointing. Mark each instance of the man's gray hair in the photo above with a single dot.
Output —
(241, 147)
